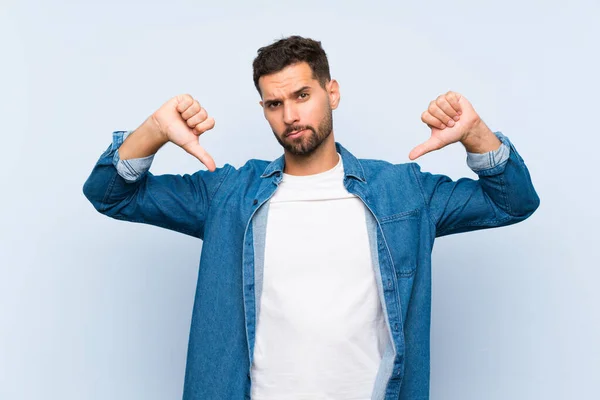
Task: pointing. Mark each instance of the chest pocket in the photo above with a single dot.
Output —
(402, 233)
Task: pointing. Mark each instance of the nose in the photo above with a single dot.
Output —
(290, 114)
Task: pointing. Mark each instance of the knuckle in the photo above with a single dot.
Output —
(186, 100)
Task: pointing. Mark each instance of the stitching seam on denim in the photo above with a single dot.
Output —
(412, 214)
(104, 204)
(475, 224)
(427, 210)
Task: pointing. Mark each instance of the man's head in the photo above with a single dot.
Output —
(298, 95)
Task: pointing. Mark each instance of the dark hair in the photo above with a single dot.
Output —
(291, 50)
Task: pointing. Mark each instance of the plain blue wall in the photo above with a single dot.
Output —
(93, 308)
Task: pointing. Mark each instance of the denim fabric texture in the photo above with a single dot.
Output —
(228, 210)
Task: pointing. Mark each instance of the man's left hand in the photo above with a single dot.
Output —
(452, 119)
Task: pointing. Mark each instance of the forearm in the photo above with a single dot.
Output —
(509, 184)
(105, 187)
(143, 142)
(502, 172)
(176, 202)
(503, 194)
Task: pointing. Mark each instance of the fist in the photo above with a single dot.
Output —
(451, 117)
(182, 120)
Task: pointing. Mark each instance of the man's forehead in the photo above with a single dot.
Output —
(288, 80)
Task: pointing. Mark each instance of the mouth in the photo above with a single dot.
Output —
(295, 134)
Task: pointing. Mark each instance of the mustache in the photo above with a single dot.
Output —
(297, 128)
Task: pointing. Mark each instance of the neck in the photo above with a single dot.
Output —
(323, 159)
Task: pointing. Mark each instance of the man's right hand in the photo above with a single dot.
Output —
(182, 120)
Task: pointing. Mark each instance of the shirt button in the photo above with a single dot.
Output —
(255, 202)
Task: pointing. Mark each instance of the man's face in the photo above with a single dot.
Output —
(298, 109)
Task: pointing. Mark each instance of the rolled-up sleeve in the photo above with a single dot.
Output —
(478, 162)
(133, 169)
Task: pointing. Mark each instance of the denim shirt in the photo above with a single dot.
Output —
(228, 208)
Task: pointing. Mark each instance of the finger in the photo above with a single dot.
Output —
(204, 126)
(196, 119)
(432, 121)
(438, 113)
(454, 100)
(191, 110)
(183, 102)
(425, 147)
(451, 113)
(197, 151)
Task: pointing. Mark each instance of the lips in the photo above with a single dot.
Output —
(295, 134)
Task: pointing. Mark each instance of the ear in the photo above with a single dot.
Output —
(333, 91)
(261, 104)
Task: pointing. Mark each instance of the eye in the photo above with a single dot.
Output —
(273, 104)
(303, 95)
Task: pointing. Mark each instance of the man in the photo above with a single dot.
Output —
(315, 275)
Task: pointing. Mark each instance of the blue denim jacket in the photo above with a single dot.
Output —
(227, 209)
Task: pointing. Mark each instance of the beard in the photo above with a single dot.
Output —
(308, 142)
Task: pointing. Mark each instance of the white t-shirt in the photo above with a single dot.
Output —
(321, 329)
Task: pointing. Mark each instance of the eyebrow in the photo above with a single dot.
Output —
(295, 94)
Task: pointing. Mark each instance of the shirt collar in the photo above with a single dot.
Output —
(352, 167)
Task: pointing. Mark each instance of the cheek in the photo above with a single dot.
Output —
(274, 121)
(312, 113)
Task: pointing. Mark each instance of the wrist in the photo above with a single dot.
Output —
(143, 142)
(480, 139)
(152, 129)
